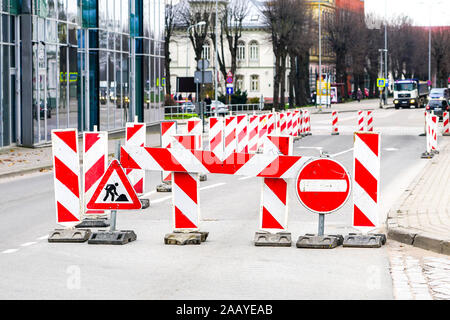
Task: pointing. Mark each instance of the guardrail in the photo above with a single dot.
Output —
(189, 111)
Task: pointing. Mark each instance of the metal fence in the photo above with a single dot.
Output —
(191, 110)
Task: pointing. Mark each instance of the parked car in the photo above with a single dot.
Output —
(437, 106)
(219, 107)
(188, 107)
(440, 93)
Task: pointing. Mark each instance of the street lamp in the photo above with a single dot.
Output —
(201, 23)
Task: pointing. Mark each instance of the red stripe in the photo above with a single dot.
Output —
(269, 222)
(126, 161)
(69, 138)
(279, 166)
(64, 215)
(89, 140)
(216, 141)
(181, 221)
(165, 159)
(166, 126)
(131, 131)
(278, 187)
(230, 138)
(242, 134)
(187, 184)
(213, 122)
(67, 177)
(360, 219)
(187, 142)
(94, 173)
(253, 133)
(366, 180)
(139, 186)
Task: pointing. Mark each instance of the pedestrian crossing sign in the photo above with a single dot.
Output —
(114, 192)
(381, 82)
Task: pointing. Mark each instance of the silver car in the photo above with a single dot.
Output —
(218, 107)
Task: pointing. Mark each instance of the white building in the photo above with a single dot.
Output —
(255, 72)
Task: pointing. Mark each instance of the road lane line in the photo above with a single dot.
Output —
(26, 244)
(43, 237)
(340, 153)
(10, 251)
(148, 194)
(245, 178)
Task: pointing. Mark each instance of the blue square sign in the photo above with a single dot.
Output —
(229, 90)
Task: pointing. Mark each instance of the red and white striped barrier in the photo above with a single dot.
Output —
(262, 131)
(369, 125)
(242, 133)
(216, 136)
(301, 125)
(433, 132)
(271, 123)
(307, 122)
(168, 130)
(282, 124)
(195, 126)
(289, 123)
(230, 142)
(95, 162)
(274, 196)
(445, 124)
(135, 134)
(267, 165)
(366, 181)
(185, 193)
(295, 123)
(66, 164)
(253, 134)
(334, 123)
(361, 122)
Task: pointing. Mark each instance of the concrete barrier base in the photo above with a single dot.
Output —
(119, 237)
(364, 241)
(93, 223)
(203, 177)
(318, 242)
(164, 188)
(69, 235)
(427, 155)
(267, 239)
(145, 203)
(184, 238)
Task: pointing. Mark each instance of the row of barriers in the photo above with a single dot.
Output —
(189, 110)
(241, 145)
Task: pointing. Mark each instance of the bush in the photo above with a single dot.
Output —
(253, 100)
(238, 97)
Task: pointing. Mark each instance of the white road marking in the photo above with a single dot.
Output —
(26, 244)
(318, 148)
(43, 237)
(148, 194)
(342, 152)
(10, 251)
(245, 178)
(390, 149)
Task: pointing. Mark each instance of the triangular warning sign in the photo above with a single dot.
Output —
(114, 192)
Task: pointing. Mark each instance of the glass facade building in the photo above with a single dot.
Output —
(79, 64)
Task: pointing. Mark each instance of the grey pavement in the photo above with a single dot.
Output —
(421, 216)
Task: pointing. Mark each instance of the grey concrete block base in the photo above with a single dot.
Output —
(185, 238)
(94, 223)
(145, 203)
(363, 241)
(69, 235)
(267, 239)
(203, 177)
(427, 155)
(119, 237)
(317, 242)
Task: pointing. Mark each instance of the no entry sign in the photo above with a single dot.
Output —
(323, 186)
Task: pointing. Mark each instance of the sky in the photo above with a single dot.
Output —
(422, 12)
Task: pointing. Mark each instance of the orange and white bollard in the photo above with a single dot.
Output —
(334, 123)
(369, 126)
(445, 124)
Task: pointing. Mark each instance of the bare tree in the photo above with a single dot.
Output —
(440, 46)
(170, 18)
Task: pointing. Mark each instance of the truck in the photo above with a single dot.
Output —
(410, 93)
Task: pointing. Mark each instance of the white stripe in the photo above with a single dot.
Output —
(188, 161)
(142, 158)
(212, 186)
(65, 154)
(185, 204)
(293, 171)
(367, 158)
(26, 244)
(256, 164)
(273, 204)
(43, 237)
(316, 185)
(10, 251)
(64, 196)
(340, 153)
(365, 203)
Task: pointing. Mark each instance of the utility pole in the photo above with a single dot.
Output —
(320, 60)
(216, 53)
(385, 90)
(380, 75)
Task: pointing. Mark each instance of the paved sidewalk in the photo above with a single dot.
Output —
(15, 161)
(365, 104)
(421, 217)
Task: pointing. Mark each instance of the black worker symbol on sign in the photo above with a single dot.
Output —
(112, 191)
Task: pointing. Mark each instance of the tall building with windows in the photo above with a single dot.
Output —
(79, 64)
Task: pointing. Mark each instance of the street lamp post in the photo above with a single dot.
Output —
(320, 59)
(385, 51)
(215, 54)
(201, 23)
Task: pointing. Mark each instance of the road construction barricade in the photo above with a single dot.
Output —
(334, 123)
(216, 136)
(230, 141)
(431, 123)
(445, 124)
(369, 119)
(242, 133)
(262, 131)
(67, 182)
(366, 191)
(271, 123)
(95, 162)
(135, 134)
(253, 134)
(361, 121)
(296, 123)
(282, 129)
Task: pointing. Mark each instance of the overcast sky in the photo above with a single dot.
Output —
(420, 11)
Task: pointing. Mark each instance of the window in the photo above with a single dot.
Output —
(254, 83)
(206, 53)
(254, 51)
(241, 51)
(240, 82)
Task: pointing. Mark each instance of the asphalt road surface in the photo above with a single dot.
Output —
(227, 265)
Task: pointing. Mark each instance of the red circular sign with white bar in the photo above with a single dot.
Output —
(323, 186)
